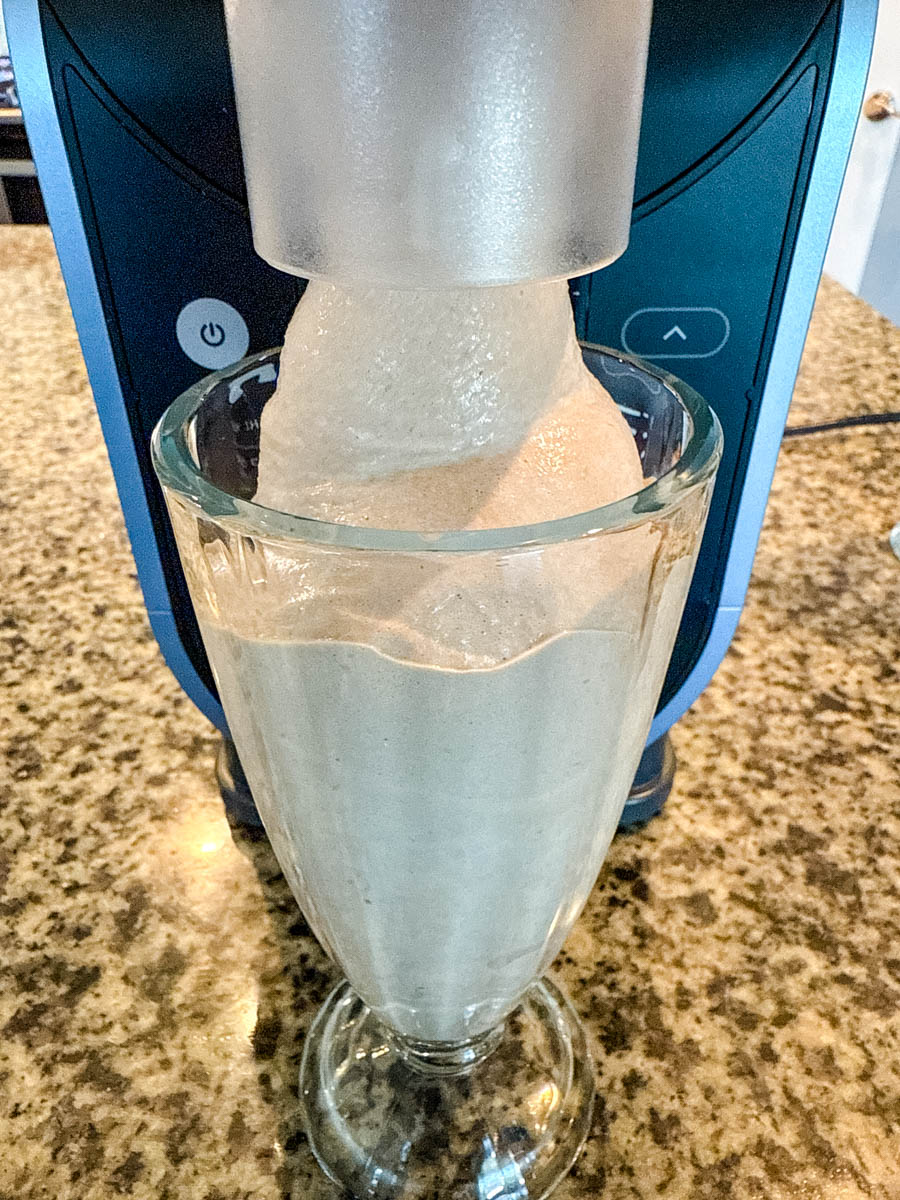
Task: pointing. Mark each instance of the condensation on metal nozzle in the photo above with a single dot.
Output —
(416, 143)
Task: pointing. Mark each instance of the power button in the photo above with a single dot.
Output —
(212, 333)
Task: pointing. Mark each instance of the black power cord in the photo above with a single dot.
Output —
(882, 418)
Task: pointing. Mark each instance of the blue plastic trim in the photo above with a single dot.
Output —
(723, 630)
(26, 42)
(857, 31)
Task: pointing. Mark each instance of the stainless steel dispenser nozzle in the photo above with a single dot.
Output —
(439, 143)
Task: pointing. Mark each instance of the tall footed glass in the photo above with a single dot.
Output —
(440, 731)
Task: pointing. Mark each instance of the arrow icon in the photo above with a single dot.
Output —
(676, 329)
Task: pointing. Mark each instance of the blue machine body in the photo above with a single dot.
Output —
(749, 114)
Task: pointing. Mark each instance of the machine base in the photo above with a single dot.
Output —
(233, 786)
(652, 783)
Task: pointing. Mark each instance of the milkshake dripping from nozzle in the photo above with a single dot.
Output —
(438, 171)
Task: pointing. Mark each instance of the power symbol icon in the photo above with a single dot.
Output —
(212, 333)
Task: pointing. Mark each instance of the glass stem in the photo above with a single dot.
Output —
(447, 1058)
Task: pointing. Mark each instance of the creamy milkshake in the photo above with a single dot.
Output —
(440, 745)
(451, 409)
(448, 824)
(439, 730)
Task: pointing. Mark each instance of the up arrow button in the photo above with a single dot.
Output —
(696, 332)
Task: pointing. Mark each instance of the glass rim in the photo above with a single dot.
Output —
(178, 472)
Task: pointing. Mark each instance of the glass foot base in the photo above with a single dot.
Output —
(502, 1116)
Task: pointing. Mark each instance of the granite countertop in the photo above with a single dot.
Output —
(738, 965)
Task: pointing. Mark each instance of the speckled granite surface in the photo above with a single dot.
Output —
(738, 966)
